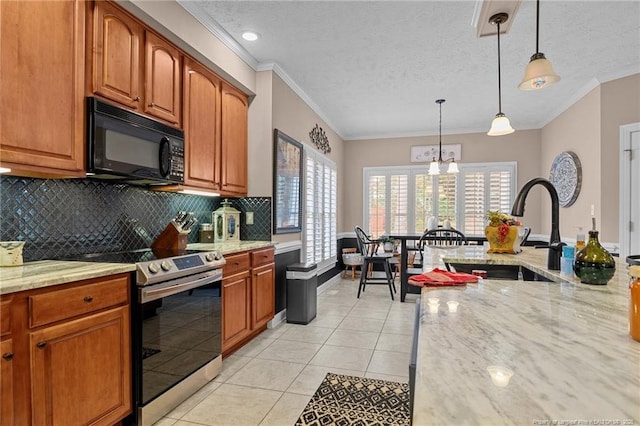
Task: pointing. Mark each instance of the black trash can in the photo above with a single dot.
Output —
(302, 293)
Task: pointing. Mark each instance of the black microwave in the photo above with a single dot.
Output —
(125, 146)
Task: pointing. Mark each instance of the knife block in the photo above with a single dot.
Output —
(171, 239)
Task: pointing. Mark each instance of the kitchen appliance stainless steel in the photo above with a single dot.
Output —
(125, 146)
(176, 326)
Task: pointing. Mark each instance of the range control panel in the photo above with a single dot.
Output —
(155, 271)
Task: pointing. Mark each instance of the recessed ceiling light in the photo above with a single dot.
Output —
(250, 36)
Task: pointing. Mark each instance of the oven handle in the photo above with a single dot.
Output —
(147, 294)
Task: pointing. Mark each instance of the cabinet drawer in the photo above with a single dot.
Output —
(262, 257)
(235, 263)
(5, 316)
(62, 304)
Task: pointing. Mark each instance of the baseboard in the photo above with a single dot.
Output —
(329, 283)
(278, 318)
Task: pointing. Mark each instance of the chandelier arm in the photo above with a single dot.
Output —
(499, 85)
(440, 138)
(537, 24)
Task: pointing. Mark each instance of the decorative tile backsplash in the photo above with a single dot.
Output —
(63, 218)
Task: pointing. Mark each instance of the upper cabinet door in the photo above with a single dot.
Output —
(234, 140)
(162, 78)
(201, 126)
(116, 55)
(42, 86)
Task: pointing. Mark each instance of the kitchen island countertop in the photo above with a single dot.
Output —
(566, 343)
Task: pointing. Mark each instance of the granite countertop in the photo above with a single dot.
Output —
(566, 343)
(44, 273)
(230, 247)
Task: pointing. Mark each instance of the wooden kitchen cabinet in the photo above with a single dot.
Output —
(201, 109)
(6, 382)
(80, 370)
(42, 87)
(236, 308)
(163, 68)
(116, 56)
(262, 287)
(6, 363)
(133, 66)
(72, 354)
(234, 131)
(248, 296)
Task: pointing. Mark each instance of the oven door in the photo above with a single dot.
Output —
(180, 332)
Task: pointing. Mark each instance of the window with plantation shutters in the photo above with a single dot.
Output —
(320, 210)
(486, 187)
(402, 199)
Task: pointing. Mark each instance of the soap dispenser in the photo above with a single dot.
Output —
(594, 264)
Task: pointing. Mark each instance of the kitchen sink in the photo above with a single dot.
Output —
(502, 272)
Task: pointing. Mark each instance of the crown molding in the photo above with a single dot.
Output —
(274, 67)
(214, 28)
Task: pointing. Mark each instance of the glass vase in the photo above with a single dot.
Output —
(593, 263)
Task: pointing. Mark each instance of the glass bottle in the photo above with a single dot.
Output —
(634, 297)
(594, 264)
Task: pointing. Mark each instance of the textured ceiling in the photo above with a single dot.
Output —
(374, 69)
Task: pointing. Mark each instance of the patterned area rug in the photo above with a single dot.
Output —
(348, 400)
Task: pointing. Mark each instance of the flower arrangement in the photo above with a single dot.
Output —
(502, 221)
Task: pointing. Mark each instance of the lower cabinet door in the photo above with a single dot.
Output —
(81, 370)
(6, 382)
(262, 295)
(236, 308)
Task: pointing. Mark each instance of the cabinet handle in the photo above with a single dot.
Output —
(41, 345)
(136, 99)
(236, 264)
(88, 299)
(8, 356)
(151, 105)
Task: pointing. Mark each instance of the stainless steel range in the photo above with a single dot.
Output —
(176, 326)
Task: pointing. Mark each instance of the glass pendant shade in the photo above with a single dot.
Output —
(453, 168)
(500, 126)
(538, 74)
(434, 168)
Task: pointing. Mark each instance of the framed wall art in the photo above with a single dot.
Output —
(287, 184)
(426, 153)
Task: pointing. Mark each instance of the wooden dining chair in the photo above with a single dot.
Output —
(439, 238)
(369, 249)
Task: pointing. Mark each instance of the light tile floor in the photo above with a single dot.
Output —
(270, 380)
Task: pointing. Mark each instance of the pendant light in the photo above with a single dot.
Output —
(539, 73)
(500, 125)
(434, 167)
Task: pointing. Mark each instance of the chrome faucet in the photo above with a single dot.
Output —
(555, 245)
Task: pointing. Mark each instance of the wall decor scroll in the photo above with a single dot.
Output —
(319, 139)
(287, 184)
(566, 177)
(426, 153)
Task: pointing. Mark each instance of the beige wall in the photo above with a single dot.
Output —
(522, 146)
(620, 105)
(294, 117)
(577, 129)
(591, 129)
(260, 154)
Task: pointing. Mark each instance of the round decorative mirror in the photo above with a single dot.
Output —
(566, 177)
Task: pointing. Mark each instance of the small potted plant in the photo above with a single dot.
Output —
(387, 244)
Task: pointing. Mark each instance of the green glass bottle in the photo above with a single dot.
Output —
(593, 263)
